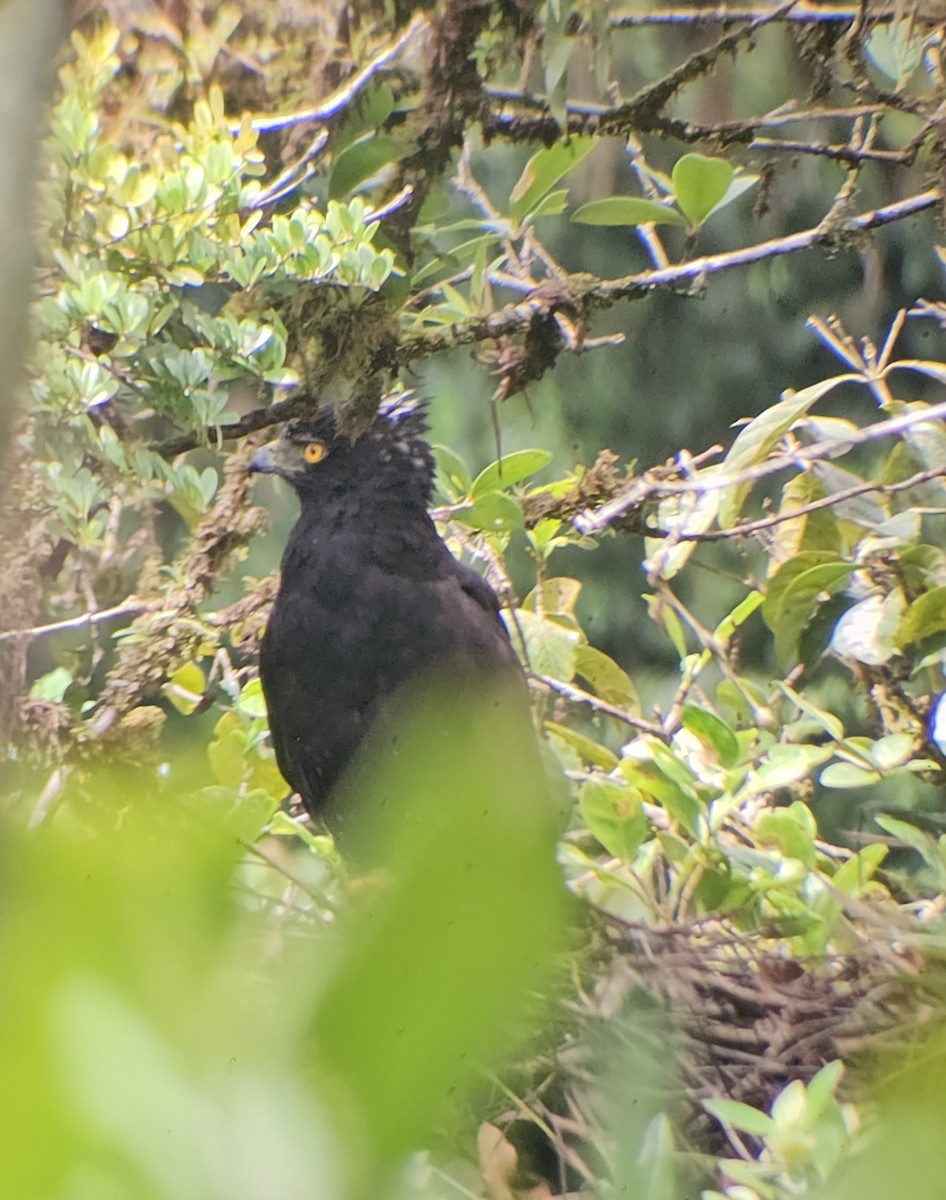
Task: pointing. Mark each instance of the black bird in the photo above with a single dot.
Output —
(370, 597)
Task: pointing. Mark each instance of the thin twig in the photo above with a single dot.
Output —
(836, 153)
(697, 268)
(578, 696)
(645, 488)
(802, 14)
(128, 608)
(850, 493)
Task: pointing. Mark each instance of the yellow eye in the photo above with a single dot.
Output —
(314, 452)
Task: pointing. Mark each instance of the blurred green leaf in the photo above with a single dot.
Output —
(896, 49)
(627, 210)
(605, 678)
(437, 972)
(543, 171)
(612, 812)
(755, 441)
(713, 731)
(185, 688)
(550, 647)
(925, 617)
(590, 750)
(362, 161)
(52, 686)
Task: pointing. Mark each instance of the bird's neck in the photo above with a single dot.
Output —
(378, 525)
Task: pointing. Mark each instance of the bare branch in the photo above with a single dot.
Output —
(837, 153)
(127, 608)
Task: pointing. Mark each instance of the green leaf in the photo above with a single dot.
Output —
(493, 512)
(453, 475)
(185, 688)
(699, 185)
(800, 601)
(917, 839)
(853, 877)
(925, 617)
(552, 205)
(892, 750)
(605, 678)
(556, 596)
(510, 469)
(549, 647)
(543, 171)
(868, 630)
(361, 161)
(847, 775)
(714, 732)
(252, 701)
(786, 575)
(828, 721)
(590, 750)
(52, 686)
(627, 210)
(896, 49)
(741, 1116)
(793, 837)
(739, 186)
(612, 812)
(822, 1086)
(756, 440)
(673, 795)
(440, 964)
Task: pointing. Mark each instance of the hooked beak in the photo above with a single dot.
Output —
(266, 460)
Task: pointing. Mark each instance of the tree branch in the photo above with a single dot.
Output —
(343, 96)
(127, 608)
(802, 14)
(650, 487)
(749, 527)
(575, 294)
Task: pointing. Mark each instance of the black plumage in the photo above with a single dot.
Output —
(370, 597)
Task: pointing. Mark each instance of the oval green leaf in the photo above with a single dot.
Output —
(627, 210)
(700, 183)
(493, 512)
(714, 732)
(510, 469)
(613, 813)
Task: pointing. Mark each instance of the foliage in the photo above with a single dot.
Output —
(215, 255)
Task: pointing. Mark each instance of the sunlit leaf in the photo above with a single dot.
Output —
(700, 184)
(511, 468)
(755, 441)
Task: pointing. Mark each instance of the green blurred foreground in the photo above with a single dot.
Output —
(168, 1033)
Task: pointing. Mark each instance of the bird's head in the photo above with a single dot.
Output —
(319, 460)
